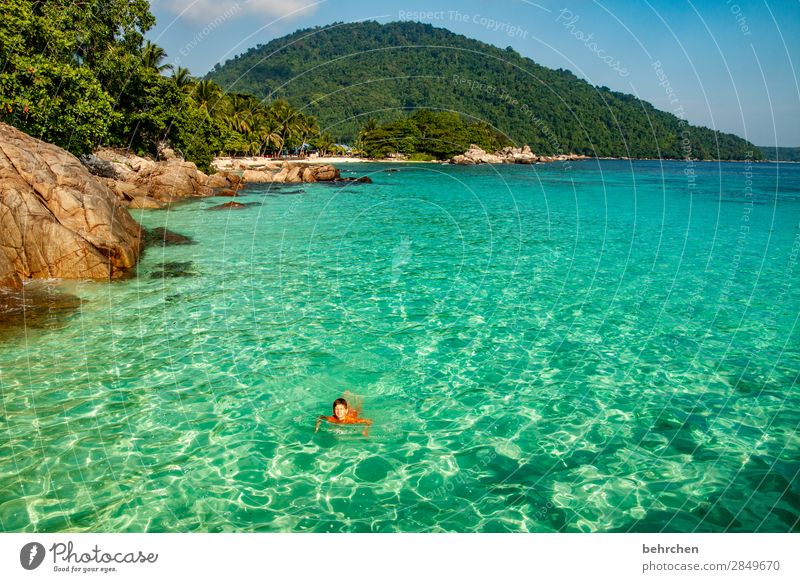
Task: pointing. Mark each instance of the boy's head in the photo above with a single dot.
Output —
(340, 408)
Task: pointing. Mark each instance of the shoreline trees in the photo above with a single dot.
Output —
(81, 76)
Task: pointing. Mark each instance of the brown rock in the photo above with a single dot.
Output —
(234, 179)
(56, 219)
(145, 202)
(161, 236)
(39, 305)
(229, 205)
(8, 274)
(162, 180)
(325, 173)
(218, 181)
(125, 164)
(260, 172)
(257, 176)
(361, 180)
(280, 176)
(308, 175)
(165, 152)
(174, 179)
(225, 181)
(294, 175)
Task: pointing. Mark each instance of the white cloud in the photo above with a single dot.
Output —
(201, 12)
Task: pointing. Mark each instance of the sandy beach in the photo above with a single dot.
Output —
(252, 162)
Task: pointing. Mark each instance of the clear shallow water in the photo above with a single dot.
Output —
(596, 347)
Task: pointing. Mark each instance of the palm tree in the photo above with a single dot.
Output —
(206, 95)
(152, 57)
(182, 77)
(287, 119)
(240, 114)
(370, 125)
(309, 127)
(324, 143)
(267, 128)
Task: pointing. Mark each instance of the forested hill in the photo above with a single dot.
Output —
(779, 154)
(346, 73)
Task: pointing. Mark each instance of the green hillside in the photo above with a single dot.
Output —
(780, 154)
(346, 73)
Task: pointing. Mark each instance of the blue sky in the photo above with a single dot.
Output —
(727, 64)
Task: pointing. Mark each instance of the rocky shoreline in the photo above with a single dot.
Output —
(65, 218)
(261, 171)
(142, 183)
(61, 217)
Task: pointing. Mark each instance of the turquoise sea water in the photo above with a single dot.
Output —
(595, 346)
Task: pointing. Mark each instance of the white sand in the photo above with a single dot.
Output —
(254, 161)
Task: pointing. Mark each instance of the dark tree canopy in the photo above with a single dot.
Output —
(79, 74)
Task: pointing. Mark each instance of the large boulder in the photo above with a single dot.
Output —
(325, 173)
(265, 171)
(292, 173)
(223, 180)
(508, 155)
(280, 176)
(257, 176)
(99, 167)
(126, 165)
(56, 219)
(175, 178)
(308, 175)
(294, 176)
(476, 155)
(162, 181)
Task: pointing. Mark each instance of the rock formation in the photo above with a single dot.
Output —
(142, 183)
(507, 155)
(56, 219)
(290, 173)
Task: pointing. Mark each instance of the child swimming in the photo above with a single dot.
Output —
(343, 414)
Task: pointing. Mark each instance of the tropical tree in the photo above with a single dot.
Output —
(153, 56)
(182, 78)
(324, 143)
(206, 94)
(269, 132)
(240, 113)
(290, 125)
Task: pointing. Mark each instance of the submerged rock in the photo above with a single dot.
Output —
(232, 205)
(161, 236)
(344, 181)
(39, 305)
(174, 269)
